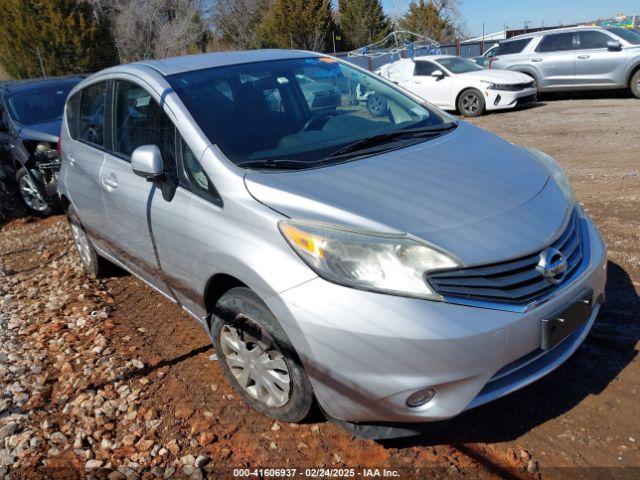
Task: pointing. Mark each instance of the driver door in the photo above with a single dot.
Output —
(433, 89)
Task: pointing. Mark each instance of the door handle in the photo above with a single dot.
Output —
(110, 181)
(536, 59)
(71, 159)
(583, 57)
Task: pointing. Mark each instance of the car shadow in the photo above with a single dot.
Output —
(11, 207)
(585, 95)
(608, 349)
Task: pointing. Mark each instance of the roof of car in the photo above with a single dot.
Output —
(433, 57)
(554, 30)
(171, 66)
(21, 86)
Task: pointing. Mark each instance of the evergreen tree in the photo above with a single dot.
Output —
(304, 24)
(58, 36)
(424, 18)
(362, 22)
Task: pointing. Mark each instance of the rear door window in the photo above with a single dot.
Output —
(556, 43)
(92, 106)
(510, 48)
(592, 39)
(139, 120)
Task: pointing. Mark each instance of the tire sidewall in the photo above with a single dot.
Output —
(93, 268)
(635, 88)
(243, 300)
(481, 101)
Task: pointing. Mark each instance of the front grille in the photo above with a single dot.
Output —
(527, 100)
(516, 281)
(516, 87)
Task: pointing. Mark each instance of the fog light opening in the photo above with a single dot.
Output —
(497, 100)
(420, 398)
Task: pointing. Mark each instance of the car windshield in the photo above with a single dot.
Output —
(631, 36)
(459, 65)
(297, 111)
(39, 105)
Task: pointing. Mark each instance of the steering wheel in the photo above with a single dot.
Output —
(317, 118)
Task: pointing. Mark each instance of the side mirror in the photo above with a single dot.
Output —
(146, 162)
(437, 74)
(614, 45)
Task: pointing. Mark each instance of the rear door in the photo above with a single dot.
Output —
(137, 119)
(596, 64)
(84, 156)
(555, 60)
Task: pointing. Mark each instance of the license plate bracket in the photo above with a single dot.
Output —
(564, 323)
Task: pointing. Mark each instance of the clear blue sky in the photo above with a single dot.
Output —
(496, 13)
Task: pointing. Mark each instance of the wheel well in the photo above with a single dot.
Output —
(632, 73)
(216, 287)
(65, 202)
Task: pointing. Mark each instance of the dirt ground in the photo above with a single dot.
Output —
(581, 421)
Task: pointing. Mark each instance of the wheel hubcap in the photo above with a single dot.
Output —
(82, 243)
(31, 195)
(256, 363)
(470, 103)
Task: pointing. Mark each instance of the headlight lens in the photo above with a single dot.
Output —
(385, 263)
(556, 172)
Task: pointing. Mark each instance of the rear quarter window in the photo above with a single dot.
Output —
(72, 115)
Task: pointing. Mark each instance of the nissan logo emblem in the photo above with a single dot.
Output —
(553, 265)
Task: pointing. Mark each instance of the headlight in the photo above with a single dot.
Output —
(369, 261)
(555, 170)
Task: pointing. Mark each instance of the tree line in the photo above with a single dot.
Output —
(60, 37)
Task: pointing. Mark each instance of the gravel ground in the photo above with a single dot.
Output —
(108, 379)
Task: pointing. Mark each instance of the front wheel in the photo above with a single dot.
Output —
(31, 195)
(471, 103)
(635, 84)
(377, 105)
(258, 359)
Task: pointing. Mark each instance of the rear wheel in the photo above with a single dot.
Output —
(258, 359)
(31, 195)
(635, 84)
(93, 263)
(471, 103)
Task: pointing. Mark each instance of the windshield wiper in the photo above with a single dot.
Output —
(276, 163)
(381, 139)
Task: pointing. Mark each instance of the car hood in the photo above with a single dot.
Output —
(498, 76)
(469, 192)
(47, 131)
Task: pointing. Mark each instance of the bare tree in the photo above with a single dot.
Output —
(148, 29)
(237, 21)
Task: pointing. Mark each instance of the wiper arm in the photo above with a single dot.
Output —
(276, 163)
(383, 138)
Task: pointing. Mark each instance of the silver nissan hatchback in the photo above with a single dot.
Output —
(397, 268)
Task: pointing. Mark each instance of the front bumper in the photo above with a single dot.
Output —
(366, 352)
(502, 99)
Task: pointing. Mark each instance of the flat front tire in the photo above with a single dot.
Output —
(635, 84)
(471, 103)
(258, 359)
